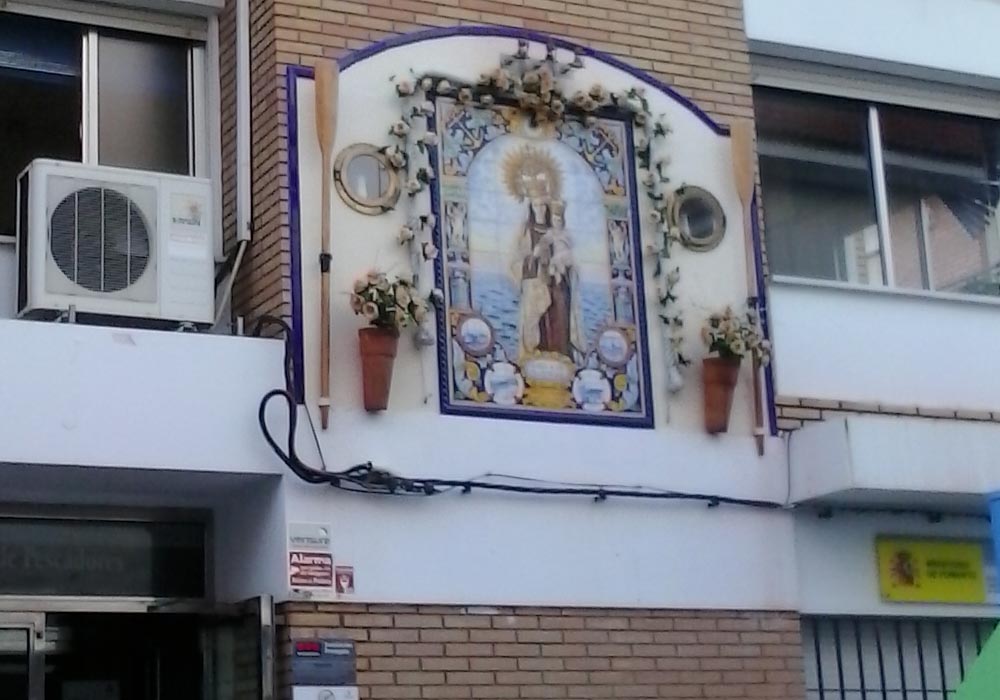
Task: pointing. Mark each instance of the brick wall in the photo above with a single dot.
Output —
(264, 284)
(794, 413)
(448, 652)
(697, 46)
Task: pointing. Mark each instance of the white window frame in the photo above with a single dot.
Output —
(877, 89)
(204, 119)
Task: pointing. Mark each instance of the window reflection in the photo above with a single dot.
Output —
(819, 209)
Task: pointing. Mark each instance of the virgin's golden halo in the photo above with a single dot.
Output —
(531, 173)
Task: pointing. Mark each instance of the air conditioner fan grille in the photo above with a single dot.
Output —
(99, 239)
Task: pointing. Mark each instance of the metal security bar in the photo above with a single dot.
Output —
(854, 658)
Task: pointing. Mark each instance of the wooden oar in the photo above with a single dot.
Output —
(741, 137)
(326, 130)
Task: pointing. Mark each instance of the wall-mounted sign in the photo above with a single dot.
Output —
(310, 559)
(913, 570)
(345, 580)
(39, 556)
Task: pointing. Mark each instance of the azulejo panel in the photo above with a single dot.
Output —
(540, 265)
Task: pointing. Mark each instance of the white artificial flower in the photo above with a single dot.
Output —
(413, 185)
(427, 107)
(397, 160)
(429, 221)
(647, 177)
(430, 138)
(359, 286)
(655, 216)
(437, 295)
(444, 87)
(465, 95)
(419, 313)
(590, 122)
(404, 88)
(403, 297)
(405, 235)
(370, 310)
(429, 250)
(357, 303)
(486, 100)
(426, 84)
(674, 276)
(400, 128)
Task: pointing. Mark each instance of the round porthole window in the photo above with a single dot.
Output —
(365, 180)
(698, 216)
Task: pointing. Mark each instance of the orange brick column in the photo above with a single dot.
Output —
(455, 652)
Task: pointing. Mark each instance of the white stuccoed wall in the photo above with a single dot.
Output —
(8, 282)
(957, 35)
(885, 347)
(837, 565)
(508, 549)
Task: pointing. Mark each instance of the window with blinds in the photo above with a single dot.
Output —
(852, 658)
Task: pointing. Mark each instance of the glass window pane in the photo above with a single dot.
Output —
(819, 209)
(143, 103)
(40, 66)
(14, 657)
(941, 173)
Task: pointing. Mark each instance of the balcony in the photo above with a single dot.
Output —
(896, 462)
(127, 398)
(897, 349)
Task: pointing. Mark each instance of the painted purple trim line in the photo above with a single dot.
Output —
(295, 231)
(758, 264)
(510, 32)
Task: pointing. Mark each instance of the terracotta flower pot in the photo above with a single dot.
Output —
(378, 352)
(719, 375)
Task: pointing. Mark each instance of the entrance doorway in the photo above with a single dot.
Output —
(136, 656)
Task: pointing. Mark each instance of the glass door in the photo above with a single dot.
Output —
(22, 671)
(238, 652)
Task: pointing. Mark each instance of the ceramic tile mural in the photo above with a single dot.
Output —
(540, 265)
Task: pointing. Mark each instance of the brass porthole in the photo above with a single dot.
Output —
(365, 179)
(699, 217)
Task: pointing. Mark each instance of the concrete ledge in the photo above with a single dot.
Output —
(896, 461)
(85, 395)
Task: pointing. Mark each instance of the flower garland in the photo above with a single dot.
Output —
(536, 86)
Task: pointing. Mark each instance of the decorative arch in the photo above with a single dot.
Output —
(359, 56)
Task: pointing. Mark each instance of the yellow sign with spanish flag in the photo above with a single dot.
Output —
(931, 570)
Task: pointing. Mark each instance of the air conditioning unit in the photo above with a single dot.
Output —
(116, 246)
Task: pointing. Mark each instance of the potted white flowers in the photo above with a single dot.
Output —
(729, 337)
(387, 305)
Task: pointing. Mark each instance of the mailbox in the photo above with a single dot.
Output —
(323, 669)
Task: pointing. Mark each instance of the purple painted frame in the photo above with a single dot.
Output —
(345, 62)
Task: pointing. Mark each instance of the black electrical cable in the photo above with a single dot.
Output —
(365, 478)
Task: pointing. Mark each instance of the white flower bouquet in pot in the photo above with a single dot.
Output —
(730, 338)
(388, 305)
